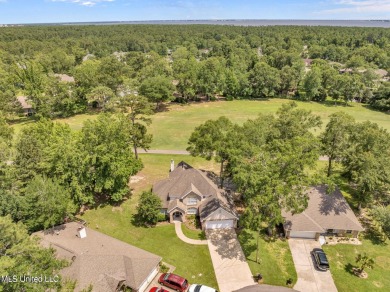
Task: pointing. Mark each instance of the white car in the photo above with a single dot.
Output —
(200, 288)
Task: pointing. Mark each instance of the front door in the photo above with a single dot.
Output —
(177, 216)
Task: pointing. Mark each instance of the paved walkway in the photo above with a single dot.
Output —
(184, 238)
(309, 278)
(230, 266)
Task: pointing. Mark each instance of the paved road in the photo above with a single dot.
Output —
(180, 234)
(184, 152)
(309, 278)
(230, 266)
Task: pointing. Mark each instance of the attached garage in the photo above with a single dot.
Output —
(148, 280)
(303, 234)
(219, 224)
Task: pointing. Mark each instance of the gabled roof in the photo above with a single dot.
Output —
(191, 189)
(179, 183)
(324, 211)
(176, 204)
(211, 205)
(23, 102)
(99, 259)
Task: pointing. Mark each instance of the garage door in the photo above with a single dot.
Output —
(148, 280)
(219, 224)
(302, 234)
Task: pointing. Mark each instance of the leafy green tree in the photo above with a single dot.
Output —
(85, 76)
(108, 160)
(335, 139)
(211, 77)
(21, 254)
(139, 109)
(364, 262)
(211, 139)
(381, 216)
(367, 163)
(157, 89)
(312, 84)
(100, 96)
(111, 72)
(45, 203)
(265, 80)
(148, 209)
(381, 98)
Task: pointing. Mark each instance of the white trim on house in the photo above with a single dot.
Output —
(220, 214)
(303, 234)
(192, 211)
(148, 280)
(176, 207)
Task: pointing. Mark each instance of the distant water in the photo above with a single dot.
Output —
(253, 22)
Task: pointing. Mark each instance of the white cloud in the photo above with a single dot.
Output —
(359, 7)
(88, 3)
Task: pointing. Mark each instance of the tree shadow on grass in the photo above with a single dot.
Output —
(246, 240)
(349, 268)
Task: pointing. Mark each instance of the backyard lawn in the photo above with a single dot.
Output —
(275, 261)
(192, 262)
(342, 260)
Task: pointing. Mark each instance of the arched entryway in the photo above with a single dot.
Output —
(177, 216)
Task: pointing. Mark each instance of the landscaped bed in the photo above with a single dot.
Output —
(342, 261)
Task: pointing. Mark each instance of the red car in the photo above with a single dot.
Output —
(157, 289)
(173, 281)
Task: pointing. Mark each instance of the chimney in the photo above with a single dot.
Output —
(82, 232)
(172, 165)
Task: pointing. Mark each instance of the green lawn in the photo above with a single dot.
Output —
(172, 128)
(193, 234)
(342, 260)
(275, 261)
(192, 262)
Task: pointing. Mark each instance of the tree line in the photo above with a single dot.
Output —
(188, 63)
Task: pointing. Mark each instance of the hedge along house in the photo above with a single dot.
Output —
(188, 191)
(326, 214)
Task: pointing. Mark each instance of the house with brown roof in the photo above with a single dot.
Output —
(326, 214)
(26, 106)
(189, 191)
(98, 259)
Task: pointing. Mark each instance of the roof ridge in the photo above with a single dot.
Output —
(312, 220)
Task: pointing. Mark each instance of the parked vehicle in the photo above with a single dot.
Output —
(320, 259)
(173, 281)
(200, 288)
(158, 289)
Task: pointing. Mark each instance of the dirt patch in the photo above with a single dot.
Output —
(377, 284)
(136, 178)
(117, 209)
(362, 275)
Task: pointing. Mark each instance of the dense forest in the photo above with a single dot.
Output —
(165, 62)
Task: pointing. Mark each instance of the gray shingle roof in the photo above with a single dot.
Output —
(212, 204)
(324, 211)
(265, 288)
(99, 259)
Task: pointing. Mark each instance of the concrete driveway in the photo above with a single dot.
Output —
(309, 278)
(230, 266)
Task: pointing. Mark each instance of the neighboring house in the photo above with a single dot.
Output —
(326, 214)
(188, 191)
(98, 259)
(28, 110)
(65, 78)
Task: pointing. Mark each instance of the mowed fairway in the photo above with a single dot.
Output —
(171, 129)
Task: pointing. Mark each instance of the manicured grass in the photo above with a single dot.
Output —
(193, 234)
(275, 261)
(192, 262)
(172, 128)
(342, 260)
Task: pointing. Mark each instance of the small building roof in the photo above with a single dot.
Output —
(65, 77)
(324, 211)
(23, 102)
(212, 204)
(98, 259)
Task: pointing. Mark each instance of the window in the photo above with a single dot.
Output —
(348, 231)
(330, 231)
(192, 201)
(191, 211)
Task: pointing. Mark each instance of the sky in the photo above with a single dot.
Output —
(52, 11)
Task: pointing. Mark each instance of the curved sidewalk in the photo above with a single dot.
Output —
(184, 238)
